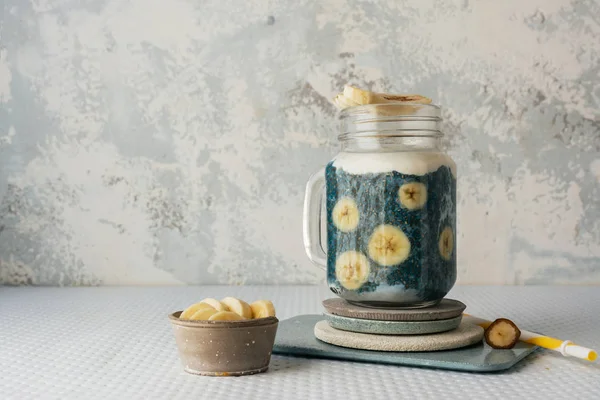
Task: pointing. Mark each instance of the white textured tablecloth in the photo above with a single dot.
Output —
(117, 343)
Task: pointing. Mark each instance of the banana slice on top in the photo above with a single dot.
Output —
(386, 103)
(238, 306)
(216, 304)
(352, 269)
(262, 309)
(388, 245)
(345, 214)
(343, 102)
(413, 195)
(191, 310)
(360, 96)
(446, 243)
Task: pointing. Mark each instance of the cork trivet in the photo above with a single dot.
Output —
(466, 334)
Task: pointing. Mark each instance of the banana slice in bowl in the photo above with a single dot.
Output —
(225, 338)
(216, 304)
(203, 314)
(238, 306)
(194, 308)
(226, 316)
(262, 309)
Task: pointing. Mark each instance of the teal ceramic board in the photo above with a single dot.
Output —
(295, 337)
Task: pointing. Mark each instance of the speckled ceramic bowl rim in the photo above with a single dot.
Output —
(247, 323)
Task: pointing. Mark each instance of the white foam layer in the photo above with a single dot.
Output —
(413, 163)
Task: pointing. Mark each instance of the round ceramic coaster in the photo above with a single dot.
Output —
(392, 327)
(465, 335)
(445, 309)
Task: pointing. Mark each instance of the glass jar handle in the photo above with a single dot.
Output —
(312, 219)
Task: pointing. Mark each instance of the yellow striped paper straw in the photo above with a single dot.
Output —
(565, 347)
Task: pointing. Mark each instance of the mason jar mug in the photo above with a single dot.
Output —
(390, 202)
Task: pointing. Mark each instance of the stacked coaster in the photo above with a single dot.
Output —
(439, 327)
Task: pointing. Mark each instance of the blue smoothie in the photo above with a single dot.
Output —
(391, 236)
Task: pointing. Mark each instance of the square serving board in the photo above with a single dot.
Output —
(295, 337)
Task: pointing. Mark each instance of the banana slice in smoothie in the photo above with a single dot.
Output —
(413, 195)
(446, 243)
(352, 269)
(388, 245)
(345, 214)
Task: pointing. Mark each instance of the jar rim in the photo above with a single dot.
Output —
(387, 111)
(391, 119)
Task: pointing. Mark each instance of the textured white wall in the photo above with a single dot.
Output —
(151, 141)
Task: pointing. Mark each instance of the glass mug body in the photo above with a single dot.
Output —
(390, 202)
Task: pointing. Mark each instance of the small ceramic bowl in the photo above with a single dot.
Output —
(225, 348)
